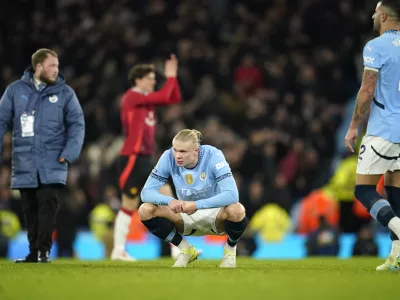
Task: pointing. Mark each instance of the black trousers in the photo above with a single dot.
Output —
(40, 207)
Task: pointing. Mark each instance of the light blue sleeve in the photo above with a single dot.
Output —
(228, 191)
(372, 56)
(158, 177)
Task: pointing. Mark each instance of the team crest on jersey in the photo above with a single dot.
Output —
(189, 178)
(203, 176)
(53, 99)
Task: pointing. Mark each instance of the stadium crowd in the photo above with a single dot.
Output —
(265, 81)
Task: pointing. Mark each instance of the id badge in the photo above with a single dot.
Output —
(27, 125)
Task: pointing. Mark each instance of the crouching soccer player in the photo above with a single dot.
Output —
(208, 196)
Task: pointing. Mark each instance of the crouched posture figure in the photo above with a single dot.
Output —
(208, 196)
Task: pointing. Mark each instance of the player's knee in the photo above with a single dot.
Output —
(366, 194)
(146, 211)
(235, 212)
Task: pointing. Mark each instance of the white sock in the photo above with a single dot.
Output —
(394, 225)
(395, 247)
(184, 245)
(121, 228)
(230, 248)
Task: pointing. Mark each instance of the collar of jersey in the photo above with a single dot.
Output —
(198, 161)
(392, 31)
(135, 89)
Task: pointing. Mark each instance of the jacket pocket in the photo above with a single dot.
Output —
(21, 149)
(22, 160)
(53, 153)
(54, 146)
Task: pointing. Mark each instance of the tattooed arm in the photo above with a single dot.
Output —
(364, 96)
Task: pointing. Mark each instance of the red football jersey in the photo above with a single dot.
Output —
(139, 119)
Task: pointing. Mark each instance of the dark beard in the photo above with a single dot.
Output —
(46, 80)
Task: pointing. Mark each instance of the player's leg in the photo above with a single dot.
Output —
(233, 221)
(392, 186)
(169, 227)
(167, 190)
(30, 208)
(121, 227)
(376, 158)
(129, 181)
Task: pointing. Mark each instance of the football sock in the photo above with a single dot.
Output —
(163, 229)
(235, 230)
(121, 228)
(393, 195)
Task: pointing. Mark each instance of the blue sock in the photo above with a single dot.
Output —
(379, 208)
(393, 195)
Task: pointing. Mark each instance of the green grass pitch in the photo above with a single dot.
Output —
(317, 278)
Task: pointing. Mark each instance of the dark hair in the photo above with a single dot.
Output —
(40, 55)
(393, 5)
(140, 71)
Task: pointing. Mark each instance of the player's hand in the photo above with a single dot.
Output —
(189, 207)
(351, 138)
(171, 67)
(176, 205)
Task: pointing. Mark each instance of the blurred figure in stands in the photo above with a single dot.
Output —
(324, 241)
(365, 244)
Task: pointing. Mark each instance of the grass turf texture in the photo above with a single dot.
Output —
(322, 278)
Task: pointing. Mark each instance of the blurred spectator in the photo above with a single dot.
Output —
(365, 244)
(319, 203)
(271, 221)
(324, 241)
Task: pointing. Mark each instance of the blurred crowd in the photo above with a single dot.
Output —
(265, 81)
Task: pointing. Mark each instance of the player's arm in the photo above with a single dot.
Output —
(372, 64)
(228, 191)
(176, 94)
(157, 178)
(365, 96)
(166, 95)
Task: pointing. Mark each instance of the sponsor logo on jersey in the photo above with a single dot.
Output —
(221, 165)
(369, 60)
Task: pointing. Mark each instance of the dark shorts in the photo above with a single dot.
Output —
(133, 172)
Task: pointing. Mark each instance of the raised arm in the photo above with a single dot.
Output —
(166, 95)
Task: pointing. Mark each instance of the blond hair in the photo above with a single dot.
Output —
(192, 135)
(40, 56)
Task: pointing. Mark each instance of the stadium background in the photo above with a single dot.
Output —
(271, 83)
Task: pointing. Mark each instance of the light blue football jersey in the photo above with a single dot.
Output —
(210, 183)
(383, 54)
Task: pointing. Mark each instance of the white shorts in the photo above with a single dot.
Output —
(377, 156)
(202, 222)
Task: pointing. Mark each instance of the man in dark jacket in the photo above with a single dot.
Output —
(48, 133)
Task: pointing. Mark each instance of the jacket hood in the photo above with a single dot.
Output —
(28, 74)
